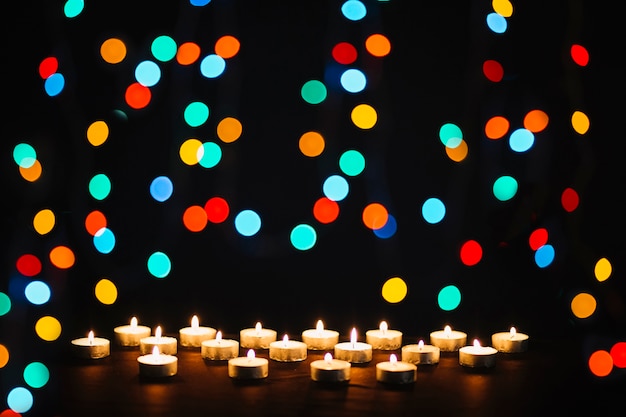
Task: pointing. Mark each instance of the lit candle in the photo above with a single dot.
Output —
(167, 345)
(157, 365)
(91, 347)
(353, 351)
(394, 372)
(330, 370)
(477, 356)
(257, 338)
(194, 336)
(288, 350)
(510, 342)
(219, 349)
(448, 340)
(320, 338)
(130, 335)
(420, 354)
(383, 338)
(248, 367)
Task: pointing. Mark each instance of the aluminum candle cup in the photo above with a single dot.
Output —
(477, 356)
(257, 338)
(320, 338)
(394, 372)
(248, 367)
(130, 334)
(330, 370)
(219, 349)
(384, 338)
(420, 354)
(91, 347)
(167, 345)
(353, 351)
(448, 340)
(194, 335)
(510, 342)
(157, 365)
(288, 350)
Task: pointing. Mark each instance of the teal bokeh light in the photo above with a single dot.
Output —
(159, 265)
(24, 155)
(449, 298)
(450, 135)
(505, 188)
(99, 186)
(303, 237)
(211, 155)
(313, 92)
(164, 48)
(352, 163)
(36, 374)
(73, 8)
(104, 240)
(5, 304)
(196, 113)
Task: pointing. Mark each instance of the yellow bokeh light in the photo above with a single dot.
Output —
(44, 221)
(4, 356)
(394, 290)
(583, 305)
(603, 269)
(229, 129)
(311, 144)
(189, 151)
(113, 51)
(48, 328)
(364, 116)
(97, 133)
(580, 122)
(459, 153)
(106, 291)
(32, 173)
(503, 7)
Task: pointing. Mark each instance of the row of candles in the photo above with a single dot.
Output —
(158, 352)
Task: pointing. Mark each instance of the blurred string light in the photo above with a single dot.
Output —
(73, 8)
(394, 290)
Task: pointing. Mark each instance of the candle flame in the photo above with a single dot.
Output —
(447, 331)
(320, 326)
(285, 340)
(476, 343)
(383, 326)
(250, 354)
(90, 337)
(513, 332)
(393, 359)
(218, 335)
(420, 345)
(194, 322)
(133, 322)
(353, 336)
(157, 332)
(155, 351)
(258, 327)
(328, 357)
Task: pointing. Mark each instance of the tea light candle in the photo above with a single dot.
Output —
(384, 338)
(130, 335)
(353, 351)
(167, 345)
(288, 350)
(320, 338)
(257, 338)
(248, 367)
(420, 354)
(394, 372)
(91, 347)
(477, 356)
(194, 336)
(219, 349)
(448, 340)
(330, 370)
(510, 342)
(157, 365)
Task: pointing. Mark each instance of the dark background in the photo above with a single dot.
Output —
(432, 76)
